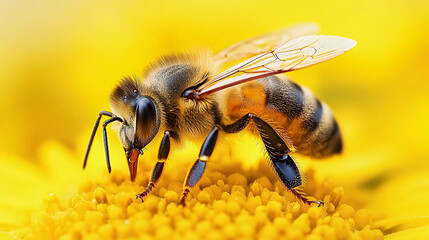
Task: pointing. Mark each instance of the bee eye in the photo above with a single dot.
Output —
(145, 120)
(135, 91)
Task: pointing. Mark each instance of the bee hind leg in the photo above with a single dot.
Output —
(285, 167)
(164, 150)
(278, 152)
(289, 175)
(194, 174)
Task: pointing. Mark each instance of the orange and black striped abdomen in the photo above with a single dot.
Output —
(308, 123)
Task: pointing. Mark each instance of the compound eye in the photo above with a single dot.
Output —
(145, 118)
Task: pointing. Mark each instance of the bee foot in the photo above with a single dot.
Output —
(319, 203)
(181, 203)
(141, 196)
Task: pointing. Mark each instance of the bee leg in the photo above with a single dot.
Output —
(194, 174)
(278, 151)
(164, 150)
(285, 166)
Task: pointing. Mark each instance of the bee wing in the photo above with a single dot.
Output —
(264, 43)
(292, 55)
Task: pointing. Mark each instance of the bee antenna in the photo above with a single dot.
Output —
(94, 130)
(106, 145)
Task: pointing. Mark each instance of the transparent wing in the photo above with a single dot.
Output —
(264, 43)
(292, 55)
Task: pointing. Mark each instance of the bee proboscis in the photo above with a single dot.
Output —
(186, 97)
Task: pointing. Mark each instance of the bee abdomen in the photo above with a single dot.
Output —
(321, 135)
(309, 123)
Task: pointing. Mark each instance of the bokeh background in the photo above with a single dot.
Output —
(59, 61)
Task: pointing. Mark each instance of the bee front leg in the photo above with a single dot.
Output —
(283, 164)
(194, 174)
(164, 150)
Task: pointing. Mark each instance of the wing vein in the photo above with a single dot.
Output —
(291, 54)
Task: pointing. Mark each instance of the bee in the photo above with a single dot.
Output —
(186, 97)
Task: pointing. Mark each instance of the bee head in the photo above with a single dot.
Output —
(142, 118)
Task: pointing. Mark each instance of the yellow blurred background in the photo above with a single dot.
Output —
(59, 60)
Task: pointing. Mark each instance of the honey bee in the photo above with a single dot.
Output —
(186, 97)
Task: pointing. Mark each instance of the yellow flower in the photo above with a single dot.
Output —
(229, 203)
(232, 201)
